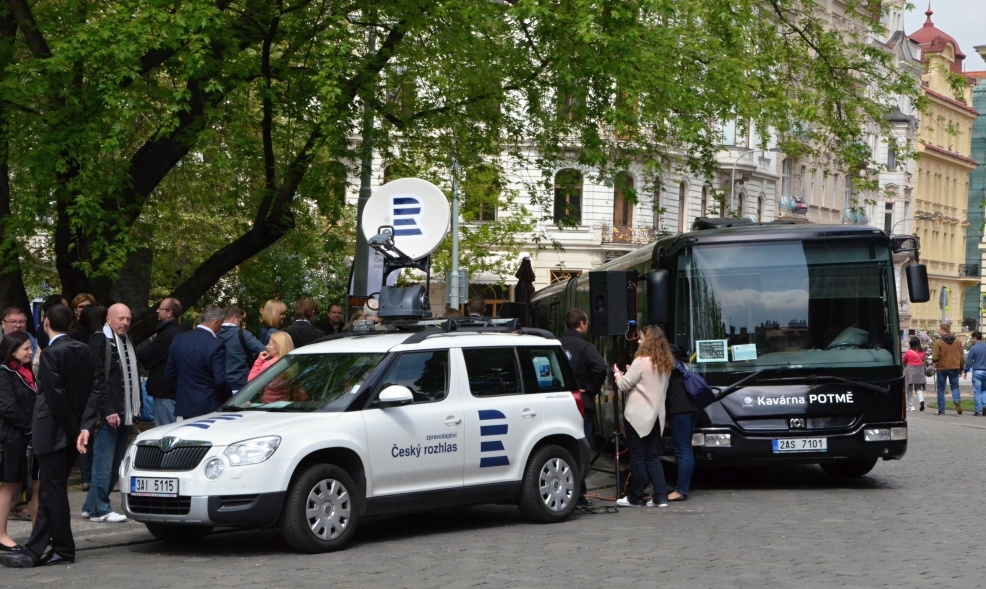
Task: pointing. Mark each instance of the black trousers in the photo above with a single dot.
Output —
(54, 524)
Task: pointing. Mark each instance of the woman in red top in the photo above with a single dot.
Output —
(17, 395)
(914, 377)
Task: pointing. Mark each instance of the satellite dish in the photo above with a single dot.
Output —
(417, 209)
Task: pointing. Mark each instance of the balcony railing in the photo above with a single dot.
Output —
(969, 270)
(628, 234)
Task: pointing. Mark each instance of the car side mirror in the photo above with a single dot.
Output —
(394, 396)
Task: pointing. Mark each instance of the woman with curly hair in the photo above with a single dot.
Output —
(645, 384)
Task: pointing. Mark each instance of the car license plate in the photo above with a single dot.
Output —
(151, 487)
(800, 445)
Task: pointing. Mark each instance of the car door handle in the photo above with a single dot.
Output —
(452, 420)
(528, 414)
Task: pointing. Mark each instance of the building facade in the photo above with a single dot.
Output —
(942, 187)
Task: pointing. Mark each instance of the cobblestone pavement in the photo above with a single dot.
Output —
(910, 523)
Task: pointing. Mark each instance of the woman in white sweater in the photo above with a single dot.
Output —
(646, 384)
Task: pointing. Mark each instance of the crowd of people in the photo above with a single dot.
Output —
(72, 395)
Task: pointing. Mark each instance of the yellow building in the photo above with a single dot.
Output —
(942, 183)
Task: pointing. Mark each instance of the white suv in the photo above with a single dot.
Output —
(367, 425)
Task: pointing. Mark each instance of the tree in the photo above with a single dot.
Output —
(237, 112)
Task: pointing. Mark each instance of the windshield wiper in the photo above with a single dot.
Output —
(865, 385)
(746, 381)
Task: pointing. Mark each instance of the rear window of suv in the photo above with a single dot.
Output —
(514, 371)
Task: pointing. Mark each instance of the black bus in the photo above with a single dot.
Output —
(796, 325)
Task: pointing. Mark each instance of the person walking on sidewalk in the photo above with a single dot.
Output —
(975, 362)
(947, 355)
(914, 377)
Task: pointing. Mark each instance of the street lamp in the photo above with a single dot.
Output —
(732, 175)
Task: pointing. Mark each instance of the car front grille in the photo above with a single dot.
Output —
(176, 459)
(159, 505)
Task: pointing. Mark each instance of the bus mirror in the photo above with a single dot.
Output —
(658, 295)
(917, 283)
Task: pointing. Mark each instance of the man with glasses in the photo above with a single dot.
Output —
(154, 356)
(15, 319)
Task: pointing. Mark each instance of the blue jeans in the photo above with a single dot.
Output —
(953, 381)
(164, 411)
(682, 427)
(645, 465)
(978, 392)
(108, 451)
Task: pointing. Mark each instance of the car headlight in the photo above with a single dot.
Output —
(252, 451)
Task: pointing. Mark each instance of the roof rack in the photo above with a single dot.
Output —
(476, 325)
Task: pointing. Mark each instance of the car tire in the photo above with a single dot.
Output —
(850, 469)
(550, 486)
(178, 533)
(321, 510)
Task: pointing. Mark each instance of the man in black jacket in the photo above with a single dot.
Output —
(302, 331)
(153, 357)
(590, 371)
(66, 409)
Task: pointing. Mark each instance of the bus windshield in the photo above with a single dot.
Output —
(743, 307)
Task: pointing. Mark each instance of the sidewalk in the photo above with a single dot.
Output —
(90, 535)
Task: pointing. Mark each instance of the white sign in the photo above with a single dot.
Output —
(416, 209)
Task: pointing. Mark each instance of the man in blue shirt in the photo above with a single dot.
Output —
(975, 361)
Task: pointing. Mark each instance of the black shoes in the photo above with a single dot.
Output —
(17, 560)
(921, 408)
(53, 558)
(23, 560)
(14, 548)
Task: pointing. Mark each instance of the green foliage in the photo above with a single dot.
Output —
(211, 130)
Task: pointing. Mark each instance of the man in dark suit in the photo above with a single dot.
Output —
(197, 367)
(66, 409)
(302, 331)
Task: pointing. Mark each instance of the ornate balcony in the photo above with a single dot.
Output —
(628, 234)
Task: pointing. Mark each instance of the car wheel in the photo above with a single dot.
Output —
(321, 510)
(850, 469)
(550, 486)
(178, 533)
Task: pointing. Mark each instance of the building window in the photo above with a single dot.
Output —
(658, 189)
(681, 208)
(623, 196)
(888, 217)
(481, 194)
(760, 200)
(705, 200)
(892, 155)
(786, 178)
(848, 192)
(739, 204)
(568, 197)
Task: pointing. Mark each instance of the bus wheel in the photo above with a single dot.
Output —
(849, 469)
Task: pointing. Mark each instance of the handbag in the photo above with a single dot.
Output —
(696, 387)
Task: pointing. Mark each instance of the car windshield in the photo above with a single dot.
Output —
(305, 383)
(786, 305)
